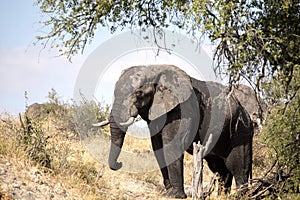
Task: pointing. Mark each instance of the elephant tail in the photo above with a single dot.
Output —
(250, 175)
(251, 163)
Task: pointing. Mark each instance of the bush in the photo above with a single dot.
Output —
(281, 132)
(86, 113)
(35, 141)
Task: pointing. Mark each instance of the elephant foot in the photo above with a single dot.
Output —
(167, 184)
(175, 193)
(224, 190)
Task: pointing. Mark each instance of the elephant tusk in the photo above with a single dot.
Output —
(129, 122)
(100, 124)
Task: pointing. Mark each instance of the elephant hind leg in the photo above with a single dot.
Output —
(217, 165)
(225, 183)
(239, 162)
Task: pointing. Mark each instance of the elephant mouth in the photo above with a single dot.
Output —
(128, 122)
(133, 114)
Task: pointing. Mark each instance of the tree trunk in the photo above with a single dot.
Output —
(197, 191)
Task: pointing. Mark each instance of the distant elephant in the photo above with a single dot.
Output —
(37, 110)
(180, 110)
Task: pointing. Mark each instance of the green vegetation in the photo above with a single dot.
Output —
(282, 134)
(255, 39)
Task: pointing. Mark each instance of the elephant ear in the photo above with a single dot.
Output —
(173, 86)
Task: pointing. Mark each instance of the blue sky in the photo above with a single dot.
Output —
(24, 67)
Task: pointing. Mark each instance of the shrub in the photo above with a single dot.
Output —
(282, 133)
(33, 138)
(86, 113)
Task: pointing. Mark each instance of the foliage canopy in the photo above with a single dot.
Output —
(255, 39)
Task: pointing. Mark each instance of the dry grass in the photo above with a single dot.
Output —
(72, 165)
(80, 166)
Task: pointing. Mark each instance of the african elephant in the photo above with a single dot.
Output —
(37, 110)
(254, 105)
(180, 110)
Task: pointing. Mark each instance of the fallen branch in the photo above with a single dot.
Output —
(261, 192)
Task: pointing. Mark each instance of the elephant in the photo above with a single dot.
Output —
(37, 110)
(254, 105)
(180, 110)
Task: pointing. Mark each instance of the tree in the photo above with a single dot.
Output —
(256, 40)
(282, 133)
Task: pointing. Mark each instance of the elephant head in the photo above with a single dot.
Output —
(252, 104)
(148, 91)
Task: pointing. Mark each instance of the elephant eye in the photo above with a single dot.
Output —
(138, 93)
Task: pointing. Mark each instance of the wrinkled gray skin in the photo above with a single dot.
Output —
(254, 105)
(177, 109)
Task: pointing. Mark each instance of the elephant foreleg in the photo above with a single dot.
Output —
(157, 146)
(173, 153)
(175, 170)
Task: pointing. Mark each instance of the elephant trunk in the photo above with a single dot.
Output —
(114, 153)
(117, 139)
(121, 117)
